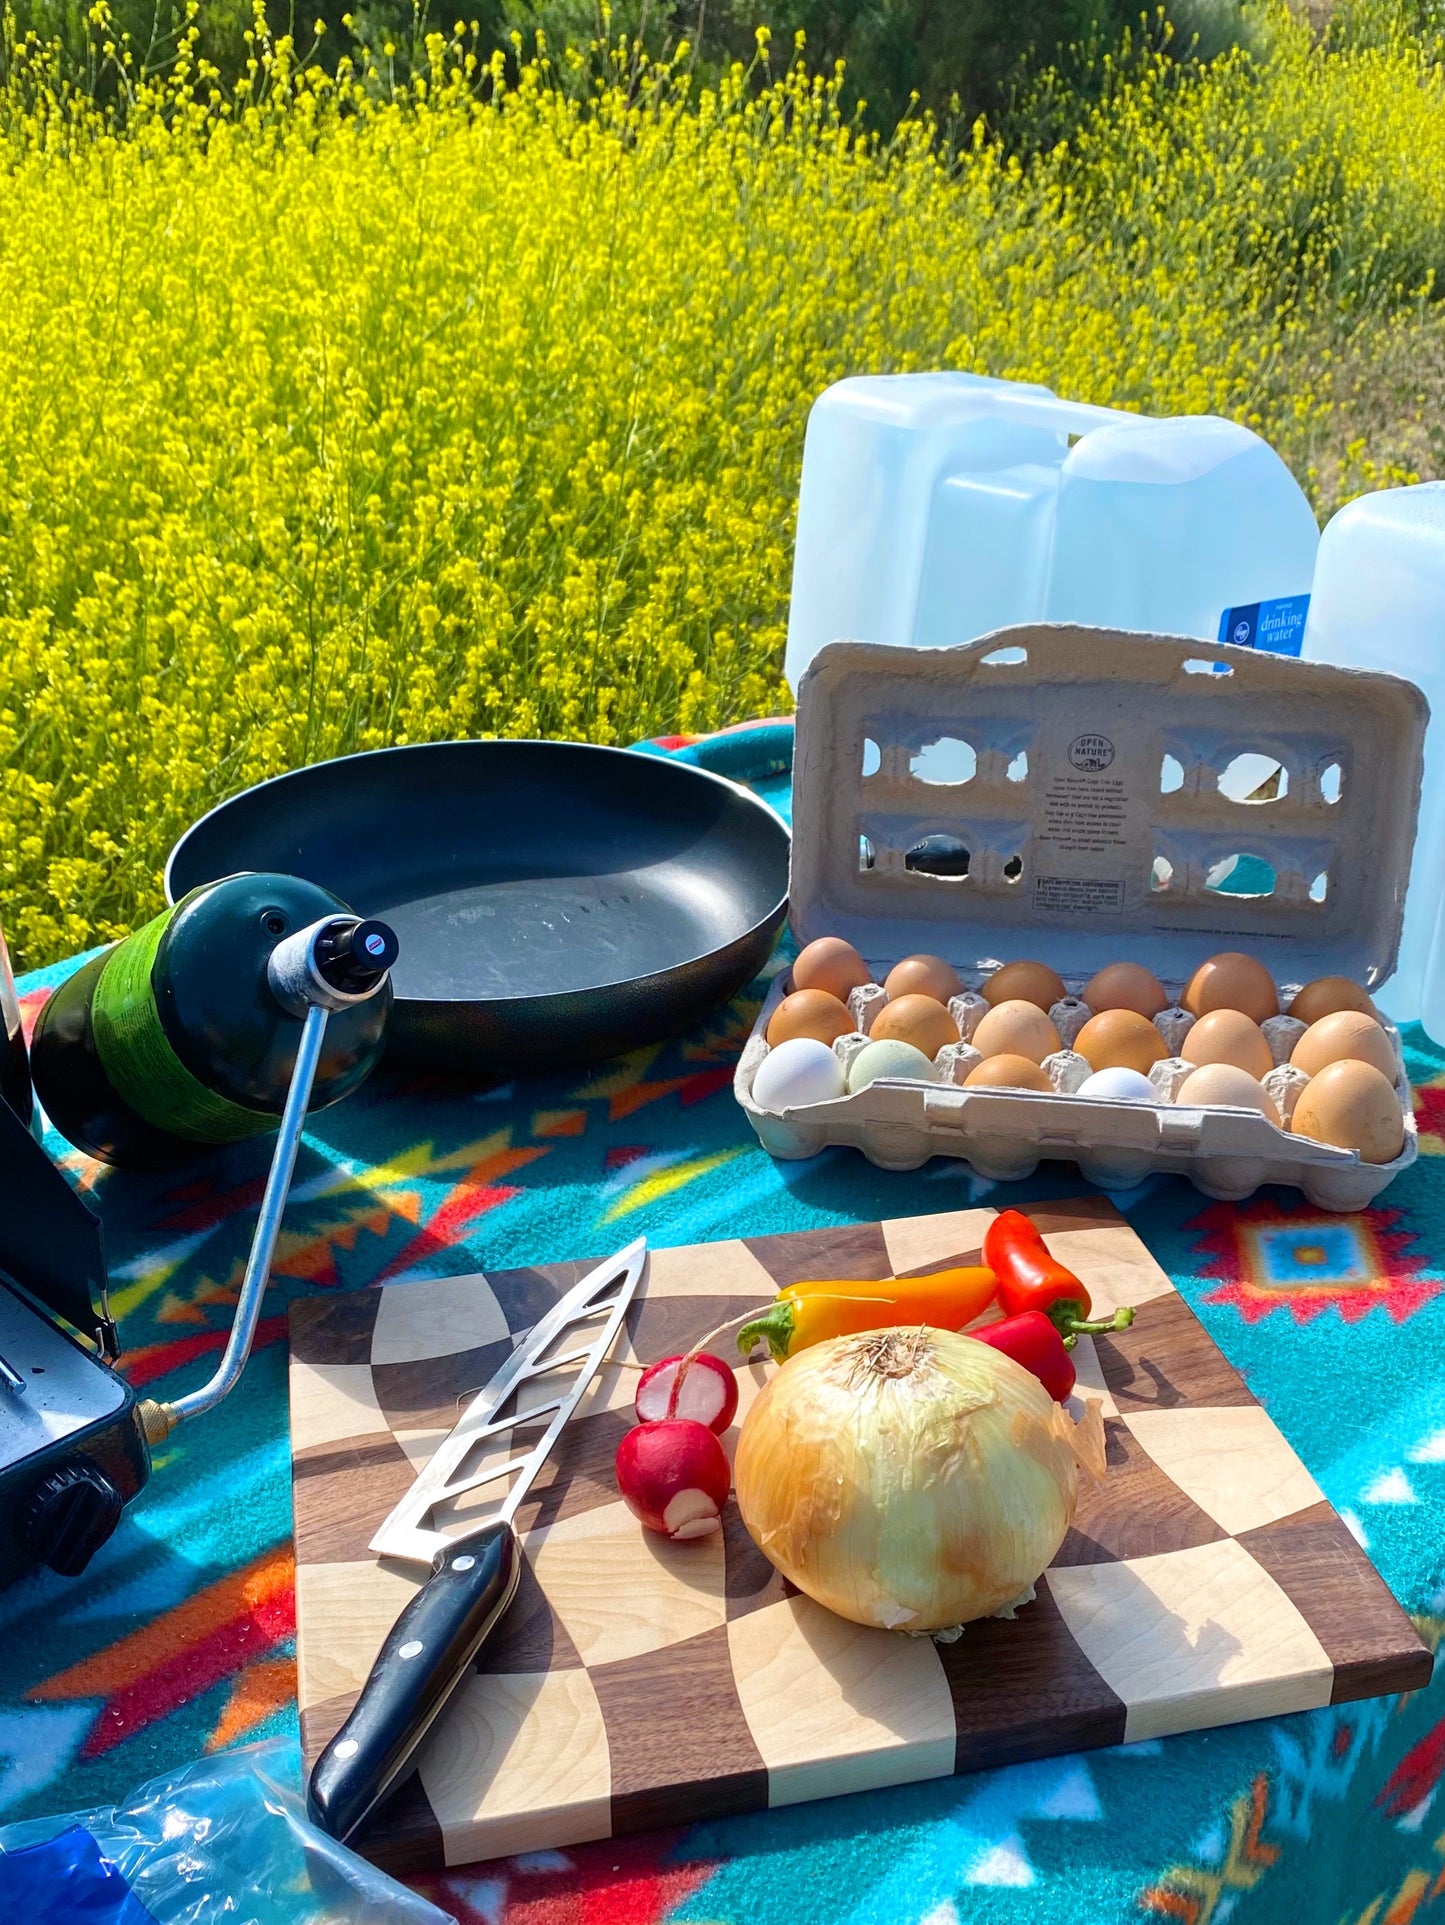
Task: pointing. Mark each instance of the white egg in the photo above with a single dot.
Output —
(797, 1072)
(1119, 1086)
(891, 1057)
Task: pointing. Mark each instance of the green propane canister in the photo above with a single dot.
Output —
(175, 1039)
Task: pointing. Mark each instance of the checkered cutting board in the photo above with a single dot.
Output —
(638, 1683)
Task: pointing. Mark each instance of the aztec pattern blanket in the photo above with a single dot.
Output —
(179, 1640)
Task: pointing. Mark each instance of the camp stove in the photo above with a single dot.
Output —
(74, 1436)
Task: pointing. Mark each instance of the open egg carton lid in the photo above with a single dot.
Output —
(1080, 796)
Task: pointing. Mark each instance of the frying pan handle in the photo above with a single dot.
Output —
(427, 1653)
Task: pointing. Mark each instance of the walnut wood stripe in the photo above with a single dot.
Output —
(321, 1722)
(1024, 1689)
(1167, 1358)
(752, 1582)
(1344, 1600)
(403, 1835)
(430, 1393)
(579, 1475)
(853, 1250)
(670, 1326)
(680, 1746)
(525, 1295)
(531, 1637)
(1136, 1512)
(341, 1492)
(334, 1330)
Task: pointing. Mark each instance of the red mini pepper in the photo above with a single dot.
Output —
(1031, 1340)
(1030, 1278)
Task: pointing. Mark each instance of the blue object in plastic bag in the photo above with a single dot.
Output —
(226, 1841)
(67, 1881)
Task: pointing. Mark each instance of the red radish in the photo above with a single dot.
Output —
(674, 1477)
(706, 1391)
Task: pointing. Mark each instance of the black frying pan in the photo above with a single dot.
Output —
(553, 901)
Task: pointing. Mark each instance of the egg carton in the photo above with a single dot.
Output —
(1080, 796)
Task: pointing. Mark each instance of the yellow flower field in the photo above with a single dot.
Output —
(333, 416)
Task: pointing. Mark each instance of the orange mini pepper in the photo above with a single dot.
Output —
(807, 1313)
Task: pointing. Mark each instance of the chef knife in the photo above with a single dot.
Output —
(475, 1571)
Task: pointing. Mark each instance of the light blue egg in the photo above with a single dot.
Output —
(889, 1058)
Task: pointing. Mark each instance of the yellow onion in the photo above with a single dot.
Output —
(913, 1479)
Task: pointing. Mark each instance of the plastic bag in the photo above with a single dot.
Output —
(226, 1841)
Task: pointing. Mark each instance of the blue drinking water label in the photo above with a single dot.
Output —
(1278, 627)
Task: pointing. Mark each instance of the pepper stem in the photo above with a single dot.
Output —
(1080, 1327)
(775, 1325)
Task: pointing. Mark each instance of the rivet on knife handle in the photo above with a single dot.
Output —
(428, 1651)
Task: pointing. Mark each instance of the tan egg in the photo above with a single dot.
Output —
(1024, 982)
(1126, 986)
(1120, 1039)
(920, 1020)
(923, 976)
(808, 1012)
(1349, 1035)
(832, 965)
(1222, 1083)
(1328, 994)
(1007, 1072)
(1232, 981)
(1016, 1029)
(1225, 1036)
(1354, 1107)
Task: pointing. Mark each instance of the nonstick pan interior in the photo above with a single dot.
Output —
(553, 900)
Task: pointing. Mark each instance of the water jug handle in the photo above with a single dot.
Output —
(1043, 410)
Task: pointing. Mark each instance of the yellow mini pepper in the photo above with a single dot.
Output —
(807, 1313)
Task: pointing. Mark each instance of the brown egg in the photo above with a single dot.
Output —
(1348, 1035)
(1120, 1039)
(1007, 1072)
(1232, 981)
(1126, 986)
(1234, 1088)
(920, 1020)
(1354, 1107)
(1024, 982)
(832, 965)
(808, 1012)
(1225, 1036)
(923, 976)
(1016, 1029)
(1328, 994)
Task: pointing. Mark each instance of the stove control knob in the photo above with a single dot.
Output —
(69, 1515)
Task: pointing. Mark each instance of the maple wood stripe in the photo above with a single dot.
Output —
(679, 1745)
(1166, 1359)
(1344, 1600)
(334, 1330)
(857, 1251)
(1024, 1689)
(1137, 1511)
(341, 1492)
(430, 1393)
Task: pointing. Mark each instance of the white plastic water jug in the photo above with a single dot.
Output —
(936, 507)
(1379, 602)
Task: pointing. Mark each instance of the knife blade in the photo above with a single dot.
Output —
(475, 1570)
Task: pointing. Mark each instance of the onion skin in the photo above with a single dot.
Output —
(910, 1479)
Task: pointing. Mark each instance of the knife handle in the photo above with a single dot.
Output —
(427, 1653)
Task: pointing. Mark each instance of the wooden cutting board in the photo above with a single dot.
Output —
(638, 1683)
